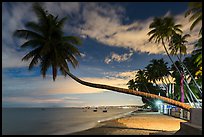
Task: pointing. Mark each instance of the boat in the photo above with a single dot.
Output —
(95, 110)
(105, 110)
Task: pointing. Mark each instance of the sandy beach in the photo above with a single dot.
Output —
(137, 123)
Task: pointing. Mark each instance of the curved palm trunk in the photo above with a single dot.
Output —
(132, 92)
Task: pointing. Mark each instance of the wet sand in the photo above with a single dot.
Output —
(138, 123)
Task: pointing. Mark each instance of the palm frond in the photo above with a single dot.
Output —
(195, 22)
(60, 23)
(72, 39)
(39, 11)
(34, 61)
(32, 43)
(45, 64)
(34, 26)
(31, 54)
(27, 34)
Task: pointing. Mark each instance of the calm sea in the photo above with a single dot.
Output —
(52, 121)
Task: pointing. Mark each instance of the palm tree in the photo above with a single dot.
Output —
(178, 44)
(52, 49)
(195, 10)
(131, 84)
(157, 70)
(198, 55)
(162, 29)
(47, 43)
(141, 83)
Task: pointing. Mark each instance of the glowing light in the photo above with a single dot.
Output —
(158, 102)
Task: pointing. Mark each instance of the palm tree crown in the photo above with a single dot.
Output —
(178, 44)
(163, 29)
(48, 44)
(157, 70)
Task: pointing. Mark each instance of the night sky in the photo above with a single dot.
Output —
(115, 45)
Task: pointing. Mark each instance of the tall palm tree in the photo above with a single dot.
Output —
(178, 45)
(162, 29)
(50, 48)
(195, 10)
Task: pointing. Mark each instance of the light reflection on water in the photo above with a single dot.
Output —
(36, 121)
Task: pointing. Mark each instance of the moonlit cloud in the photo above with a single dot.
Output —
(127, 75)
(95, 22)
(134, 35)
(100, 21)
(117, 57)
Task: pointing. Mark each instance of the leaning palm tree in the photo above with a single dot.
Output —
(50, 48)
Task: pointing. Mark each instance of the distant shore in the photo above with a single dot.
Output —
(137, 123)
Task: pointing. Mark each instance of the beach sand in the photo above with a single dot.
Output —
(138, 123)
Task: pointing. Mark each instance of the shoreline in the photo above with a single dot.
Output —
(136, 123)
(101, 122)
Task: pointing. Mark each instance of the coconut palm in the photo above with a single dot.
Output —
(162, 29)
(141, 83)
(157, 70)
(50, 48)
(178, 45)
(47, 43)
(195, 10)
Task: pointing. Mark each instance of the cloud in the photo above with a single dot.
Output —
(118, 58)
(12, 19)
(110, 30)
(127, 75)
(14, 16)
(100, 21)
(83, 55)
(36, 91)
(13, 86)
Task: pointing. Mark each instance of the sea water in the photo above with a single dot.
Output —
(54, 121)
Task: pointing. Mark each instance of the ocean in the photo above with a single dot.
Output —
(55, 121)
